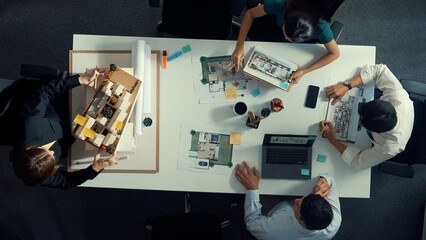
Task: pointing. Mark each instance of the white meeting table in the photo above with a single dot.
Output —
(179, 107)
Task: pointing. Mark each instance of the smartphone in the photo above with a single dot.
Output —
(312, 96)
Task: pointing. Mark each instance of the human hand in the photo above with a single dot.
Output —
(327, 129)
(92, 75)
(238, 58)
(296, 76)
(336, 92)
(101, 163)
(247, 176)
(322, 188)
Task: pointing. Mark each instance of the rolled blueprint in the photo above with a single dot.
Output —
(138, 63)
(147, 90)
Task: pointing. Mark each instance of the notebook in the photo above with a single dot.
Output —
(287, 156)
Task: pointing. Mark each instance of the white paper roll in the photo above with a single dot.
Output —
(138, 63)
(147, 92)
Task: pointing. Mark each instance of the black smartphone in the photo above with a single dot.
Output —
(312, 96)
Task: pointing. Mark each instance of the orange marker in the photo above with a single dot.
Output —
(164, 59)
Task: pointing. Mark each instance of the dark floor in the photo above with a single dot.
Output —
(41, 32)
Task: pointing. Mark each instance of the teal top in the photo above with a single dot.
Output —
(322, 31)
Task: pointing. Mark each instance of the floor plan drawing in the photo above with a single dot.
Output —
(344, 115)
(218, 74)
(205, 150)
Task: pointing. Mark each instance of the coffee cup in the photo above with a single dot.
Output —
(240, 108)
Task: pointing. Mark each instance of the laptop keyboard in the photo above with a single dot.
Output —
(287, 156)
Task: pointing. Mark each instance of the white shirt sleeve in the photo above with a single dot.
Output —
(333, 199)
(386, 145)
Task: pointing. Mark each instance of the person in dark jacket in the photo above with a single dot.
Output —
(40, 136)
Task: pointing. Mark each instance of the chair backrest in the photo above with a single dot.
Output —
(266, 29)
(203, 19)
(415, 145)
(327, 7)
(187, 226)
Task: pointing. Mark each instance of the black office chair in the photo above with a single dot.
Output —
(265, 28)
(188, 225)
(12, 92)
(206, 19)
(415, 151)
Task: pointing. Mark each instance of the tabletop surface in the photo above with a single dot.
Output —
(180, 110)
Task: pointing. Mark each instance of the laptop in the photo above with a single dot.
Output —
(287, 156)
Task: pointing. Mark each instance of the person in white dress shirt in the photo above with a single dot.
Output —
(389, 120)
(313, 216)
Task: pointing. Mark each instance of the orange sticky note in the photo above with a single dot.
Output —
(87, 132)
(236, 138)
(231, 92)
(119, 125)
(80, 120)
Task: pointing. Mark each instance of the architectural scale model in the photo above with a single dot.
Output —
(105, 118)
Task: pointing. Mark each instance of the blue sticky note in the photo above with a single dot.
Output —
(304, 172)
(312, 137)
(284, 85)
(321, 158)
(255, 92)
(186, 48)
(174, 56)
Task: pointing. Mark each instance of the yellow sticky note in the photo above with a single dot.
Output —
(236, 138)
(119, 125)
(87, 132)
(231, 92)
(80, 120)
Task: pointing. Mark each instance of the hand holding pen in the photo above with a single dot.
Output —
(327, 129)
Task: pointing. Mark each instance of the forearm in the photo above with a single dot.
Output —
(323, 61)
(244, 29)
(356, 81)
(332, 54)
(338, 145)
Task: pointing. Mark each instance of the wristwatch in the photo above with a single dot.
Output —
(347, 84)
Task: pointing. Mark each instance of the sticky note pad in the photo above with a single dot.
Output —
(174, 56)
(255, 92)
(312, 137)
(284, 85)
(186, 48)
(304, 172)
(236, 138)
(321, 158)
(231, 92)
(80, 120)
(119, 125)
(87, 132)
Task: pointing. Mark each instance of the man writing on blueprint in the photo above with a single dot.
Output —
(389, 120)
(313, 216)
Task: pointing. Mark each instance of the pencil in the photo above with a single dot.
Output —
(326, 125)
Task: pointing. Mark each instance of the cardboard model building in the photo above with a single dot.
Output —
(105, 119)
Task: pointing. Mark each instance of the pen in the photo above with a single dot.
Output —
(164, 59)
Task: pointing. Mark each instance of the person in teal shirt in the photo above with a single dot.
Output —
(300, 22)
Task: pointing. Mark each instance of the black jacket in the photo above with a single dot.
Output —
(38, 124)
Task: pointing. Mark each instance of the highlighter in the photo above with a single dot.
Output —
(164, 59)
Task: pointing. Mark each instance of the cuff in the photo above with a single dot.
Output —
(253, 195)
(91, 172)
